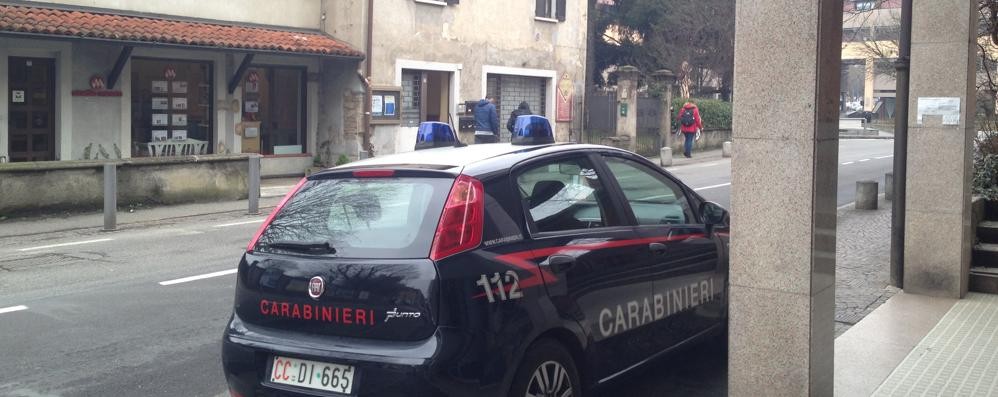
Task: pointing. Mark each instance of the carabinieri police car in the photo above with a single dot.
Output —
(523, 269)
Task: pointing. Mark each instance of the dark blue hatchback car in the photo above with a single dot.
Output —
(487, 270)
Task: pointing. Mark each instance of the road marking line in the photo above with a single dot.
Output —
(195, 278)
(41, 247)
(13, 309)
(864, 160)
(712, 186)
(239, 223)
(849, 162)
(884, 157)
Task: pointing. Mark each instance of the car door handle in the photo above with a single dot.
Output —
(561, 263)
(657, 248)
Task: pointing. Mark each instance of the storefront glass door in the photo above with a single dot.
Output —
(31, 129)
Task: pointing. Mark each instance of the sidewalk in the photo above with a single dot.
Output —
(271, 192)
(698, 157)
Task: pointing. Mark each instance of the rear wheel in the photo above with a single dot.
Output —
(547, 370)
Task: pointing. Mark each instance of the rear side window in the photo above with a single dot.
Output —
(362, 218)
(564, 195)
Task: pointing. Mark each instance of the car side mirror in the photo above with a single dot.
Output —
(712, 214)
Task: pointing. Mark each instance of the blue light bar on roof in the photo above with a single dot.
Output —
(532, 130)
(433, 134)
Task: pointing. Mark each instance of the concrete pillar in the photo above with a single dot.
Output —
(667, 78)
(866, 195)
(868, 85)
(783, 284)
(937, 213)
(627, 104)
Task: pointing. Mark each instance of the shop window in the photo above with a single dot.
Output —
(273, 120)
(171, 101)
(425, 96)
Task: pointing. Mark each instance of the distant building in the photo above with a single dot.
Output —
(96, 79)
(429, 57)
(869, 46)
(108, 79)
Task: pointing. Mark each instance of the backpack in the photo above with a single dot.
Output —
(687, 118)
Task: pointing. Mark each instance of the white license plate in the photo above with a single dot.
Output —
(312, 374)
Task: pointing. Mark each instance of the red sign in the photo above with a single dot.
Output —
(566, 92)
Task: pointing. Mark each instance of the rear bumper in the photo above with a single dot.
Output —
(383, 368)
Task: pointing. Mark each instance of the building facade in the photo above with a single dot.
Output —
(428, 58)
(112, 79)
(108, 79)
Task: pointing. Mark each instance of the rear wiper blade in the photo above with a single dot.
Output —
(323, 246)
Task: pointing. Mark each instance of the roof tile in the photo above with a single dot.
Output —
(86, 24)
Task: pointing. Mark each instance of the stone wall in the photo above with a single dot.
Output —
(27, 188)
(709, 140)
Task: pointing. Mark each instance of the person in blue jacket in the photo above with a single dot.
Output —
(486, 121)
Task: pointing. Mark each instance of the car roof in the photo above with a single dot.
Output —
(448, 157)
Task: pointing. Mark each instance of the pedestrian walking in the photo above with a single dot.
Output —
(690, 126)
(486, 121)
(522, 110)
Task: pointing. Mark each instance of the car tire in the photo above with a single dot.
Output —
(545, 369)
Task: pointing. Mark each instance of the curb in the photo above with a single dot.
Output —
(264, 209)
(864, 137)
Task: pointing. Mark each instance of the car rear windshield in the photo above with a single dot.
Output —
(360, 218)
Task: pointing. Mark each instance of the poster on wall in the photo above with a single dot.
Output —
(160, 119)
(563, 107)
(252, 106)
(252, 87)
(389, 105)
(377, 105)
(179, 120)
(17, 96)
(179, 87)
(180, 103)
(159, 86)
(179, 135)
(160, 103)
(158, 135)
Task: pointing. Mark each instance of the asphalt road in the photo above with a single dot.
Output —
(859, 159)
(84, 313)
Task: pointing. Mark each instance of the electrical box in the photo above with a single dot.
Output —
(466, 124)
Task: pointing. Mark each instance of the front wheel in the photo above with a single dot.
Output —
(548, 370)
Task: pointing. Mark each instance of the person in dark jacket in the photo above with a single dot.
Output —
(523, 110)
(486, 121)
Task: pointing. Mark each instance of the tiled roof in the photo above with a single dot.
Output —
(106, 26)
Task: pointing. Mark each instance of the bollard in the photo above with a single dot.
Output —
(726, 149)
(110, 196)
(889, 186)
(253, 185)
(665, 156)
(866, 195)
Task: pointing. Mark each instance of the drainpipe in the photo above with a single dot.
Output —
(369, 45)
(902, 66)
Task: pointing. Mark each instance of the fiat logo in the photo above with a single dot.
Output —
(316, 286)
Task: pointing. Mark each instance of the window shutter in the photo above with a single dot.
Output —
(560, 9)
(540, 8)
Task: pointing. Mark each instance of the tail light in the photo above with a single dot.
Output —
(270, 218)
(462, 220)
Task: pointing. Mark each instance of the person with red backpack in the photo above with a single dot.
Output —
(690, 126)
